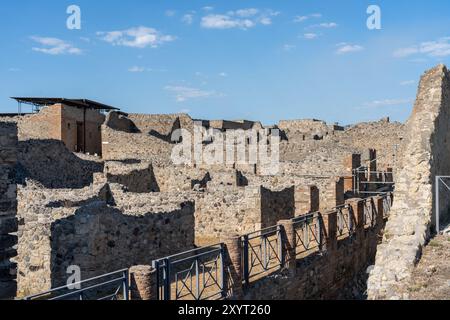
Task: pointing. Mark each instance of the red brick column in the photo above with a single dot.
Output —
(289, 245)
(351, 163)
(358, 213)
(233, 267)
(143, 283)
(380, 210)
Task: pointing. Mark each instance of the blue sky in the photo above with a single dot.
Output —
(257, 60)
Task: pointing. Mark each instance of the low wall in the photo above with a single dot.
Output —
(63, 228)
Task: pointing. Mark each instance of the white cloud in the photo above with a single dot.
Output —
(344, 48)
(139, 37)
(310, 36)
(245, 13)
(328, 25)
(13, 69)
(288, 47)
(188, 18)
(183, 93)
(54, 46)
(407, 82)
(299, 19)
(220, 21)
(137, 69)
(208, 8)
(223, 74)
(242, 19)
(405, 52)
(170, 13)
(436, 49)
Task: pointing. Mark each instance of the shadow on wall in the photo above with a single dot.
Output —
(119, 121)
(137, 181)
(168, 137)
(50, 163)
(101, 239)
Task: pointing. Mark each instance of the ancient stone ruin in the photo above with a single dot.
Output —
(103, 193)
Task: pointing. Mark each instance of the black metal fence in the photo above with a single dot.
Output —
(192, 275)
(110, 286)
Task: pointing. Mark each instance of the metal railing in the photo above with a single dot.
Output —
(110, 286)
(387, 205)
(195, 274)
(308, 232)
(369, 213)
(262, 252)
(366, 184)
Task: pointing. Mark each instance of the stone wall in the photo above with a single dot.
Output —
(425, 154)
(135, 177)
(51, 164)
(230, 210)
(96, 229)
(8, 207)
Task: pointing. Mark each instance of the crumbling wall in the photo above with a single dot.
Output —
(119, 145)
(425, 154)
(8, 207)
(51, 164)
(135, 177)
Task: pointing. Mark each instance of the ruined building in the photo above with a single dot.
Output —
(102, 192)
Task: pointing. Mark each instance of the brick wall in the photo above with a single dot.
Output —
(8, 207)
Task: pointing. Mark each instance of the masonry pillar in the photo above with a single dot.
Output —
(334, 195)
(306, 200)
(289, 246)
(143, 283)
(380, 212)
(233, 267)
(330, 227)
(358, 216)
(351, 163)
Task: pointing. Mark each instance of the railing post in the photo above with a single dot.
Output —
(245, 260)
(143, 283)
(222, 271)
(166, 279)
(126, 287)
(233, 267)
(288, 241)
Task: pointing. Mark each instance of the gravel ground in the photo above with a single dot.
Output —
(431, 277)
